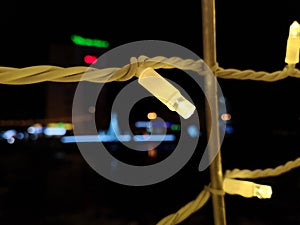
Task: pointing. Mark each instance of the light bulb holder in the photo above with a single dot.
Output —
(165, 92)
(246, 189)
(293, 44)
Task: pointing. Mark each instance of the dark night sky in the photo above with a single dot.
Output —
(250, 35)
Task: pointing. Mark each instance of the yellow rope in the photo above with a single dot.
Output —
(248, 174)
(42, 73)
(203, 197)
(36, 74)
(186, 210)
(257, 75)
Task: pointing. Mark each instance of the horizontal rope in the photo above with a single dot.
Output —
(257, 75)
(269, 172)
(37, 74)
(42, 73)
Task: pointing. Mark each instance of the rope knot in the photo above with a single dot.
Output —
(214, 191)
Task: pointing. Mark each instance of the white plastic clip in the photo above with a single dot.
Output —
(246, 188)
(165, 92)
(293, 44)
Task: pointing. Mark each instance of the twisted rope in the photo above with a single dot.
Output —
(42, 73)
(186, 210)
(257, 75)
(36, 74)
(269, 172)
(204, 195)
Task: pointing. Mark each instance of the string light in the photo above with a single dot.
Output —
(170, 96)
(293, 44)
(246, 189)
(165, 92)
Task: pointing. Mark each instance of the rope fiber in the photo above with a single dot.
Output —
(42, 73)
(36, 74)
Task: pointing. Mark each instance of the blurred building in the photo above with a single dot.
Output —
(60, 95)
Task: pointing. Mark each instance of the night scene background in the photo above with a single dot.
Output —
(44, 181)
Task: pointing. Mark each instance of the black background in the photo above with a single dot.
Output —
(250, 35)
